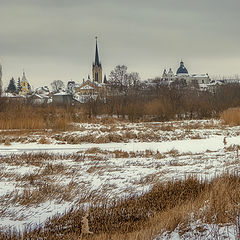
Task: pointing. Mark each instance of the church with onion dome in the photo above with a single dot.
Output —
(182, 75)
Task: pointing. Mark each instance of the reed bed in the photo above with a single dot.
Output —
(163, 208)
(231, 116)
(30, 117)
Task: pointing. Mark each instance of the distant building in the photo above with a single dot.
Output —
(39, 99)
(41, 95)
(25, 86)
(62, 98)
(90, 89)
(13, 97)
(43, 91)
(214, 84)
(71, 87)
(183, 76)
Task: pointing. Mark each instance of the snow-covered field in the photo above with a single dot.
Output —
(46, 173)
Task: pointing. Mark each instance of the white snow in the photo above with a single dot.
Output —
(116, 177)
(193, 146)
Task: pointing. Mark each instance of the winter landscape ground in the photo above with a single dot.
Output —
(45, 174)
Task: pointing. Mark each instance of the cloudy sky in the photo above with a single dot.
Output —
(55, 39)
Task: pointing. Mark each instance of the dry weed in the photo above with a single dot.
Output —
(7, 142)
(231, 116)
(44, 140)
(85, 226)
(163, 208)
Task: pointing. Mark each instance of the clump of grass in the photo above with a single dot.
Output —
(85, 226)
(44, 140)
(7, 142)
(120, 154)
(173, 152)
(231, 116)
(43, 192)
(158, 155)
(93, 150)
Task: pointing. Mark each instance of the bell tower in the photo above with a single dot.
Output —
(97, 67)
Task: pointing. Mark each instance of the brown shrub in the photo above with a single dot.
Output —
(129, 135)
(7, 142)
(102, 139)
(231, 116)
(121, 154)
(108, 120)
(93, 150)
(114, 137)
(158, 155)
(44, 140)
(173, 152)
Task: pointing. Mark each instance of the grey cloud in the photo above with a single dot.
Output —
(58, 36)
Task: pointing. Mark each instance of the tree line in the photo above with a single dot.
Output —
(130, 98)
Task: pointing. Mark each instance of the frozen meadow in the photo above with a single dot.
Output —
(47, 173)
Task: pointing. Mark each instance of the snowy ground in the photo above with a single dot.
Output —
(106, 161)
(199, 230)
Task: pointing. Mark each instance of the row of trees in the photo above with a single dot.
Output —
(131, 98)
(163, 103)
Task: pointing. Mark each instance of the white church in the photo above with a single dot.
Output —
(182, 75)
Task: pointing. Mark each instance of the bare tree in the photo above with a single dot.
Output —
(117, 77)
(133, 79)
(57, 85)
(123, 81)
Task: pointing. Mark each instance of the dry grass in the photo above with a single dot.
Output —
(173, 152)
(56, 122)
(231, 116)
(36, 159)
(44, 140)
(163, 208)
(7, 142)
(28, 117)
(41, 193)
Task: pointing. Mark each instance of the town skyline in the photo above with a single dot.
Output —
(57, 40)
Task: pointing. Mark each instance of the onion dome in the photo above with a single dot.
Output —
(182, 69)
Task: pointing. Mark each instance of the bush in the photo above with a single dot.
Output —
(231, 116)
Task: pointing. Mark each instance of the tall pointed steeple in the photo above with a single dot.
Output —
(97, 62)
(97, 67)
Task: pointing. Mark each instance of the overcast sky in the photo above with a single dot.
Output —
(54, 39)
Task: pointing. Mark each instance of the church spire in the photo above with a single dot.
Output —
(97, 67)
(97, 62)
